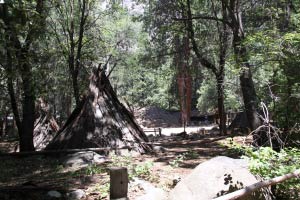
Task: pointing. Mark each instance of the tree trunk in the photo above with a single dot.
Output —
(250, 97)
(9, 65)
(21, 53)
(247, 85)
(72, 68)
(75, 86)
(246, 81)
(221, 107)
(26, 134)
(219, 71)
(75, 61)
(11, 92)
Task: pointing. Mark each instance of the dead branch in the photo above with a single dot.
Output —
(251, 188)
(61, 151)
(271, 131)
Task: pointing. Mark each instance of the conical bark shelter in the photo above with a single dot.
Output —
(45, 126)
(100, 120)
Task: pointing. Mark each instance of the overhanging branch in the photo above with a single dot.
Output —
(203, 17)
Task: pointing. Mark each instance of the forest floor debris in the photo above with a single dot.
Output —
(163, 169)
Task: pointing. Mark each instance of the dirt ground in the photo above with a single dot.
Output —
(175, 157)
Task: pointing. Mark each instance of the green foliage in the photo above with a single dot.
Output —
(94, 169)
(268, 164)
(207, 100)
(177, 160)
(190, 154)
(104, 190)
(142, 170)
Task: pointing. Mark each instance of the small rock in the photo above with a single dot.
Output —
(159, 149)
(82, 159)
(152, 193)
(176, 180)
(76, 195)
(54, 194)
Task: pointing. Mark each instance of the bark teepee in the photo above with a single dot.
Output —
(45, 125)
(100, 121)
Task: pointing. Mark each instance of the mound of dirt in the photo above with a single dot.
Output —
(157, 117)
(153, 116)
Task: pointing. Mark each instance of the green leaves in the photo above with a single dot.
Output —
(269, 164)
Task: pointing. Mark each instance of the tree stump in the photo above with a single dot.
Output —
(118, 183)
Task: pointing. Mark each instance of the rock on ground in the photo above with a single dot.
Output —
(54, 194)
(76, 195)
(82, 159)
(151, 192)
(213, 178)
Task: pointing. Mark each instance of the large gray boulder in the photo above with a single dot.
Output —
(213, 178)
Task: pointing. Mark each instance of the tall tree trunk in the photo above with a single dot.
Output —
(21, 51)
(26, 135)
(247, 85)
(246, 80)
(71, 60)
(9, 64)
(219, 71)
(75, 85)
(221, 107)
(223, 39)
(11, 92)
(75, 60)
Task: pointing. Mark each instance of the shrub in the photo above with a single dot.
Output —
(268, 164)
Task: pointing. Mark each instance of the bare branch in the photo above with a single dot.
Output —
(251, 188)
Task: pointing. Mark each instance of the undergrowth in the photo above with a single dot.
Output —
(141, 170)
(190, 154)
(268, 164)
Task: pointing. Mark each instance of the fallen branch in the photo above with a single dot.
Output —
(62, 151)
(251, 188)
(25, 188)
(66, 151)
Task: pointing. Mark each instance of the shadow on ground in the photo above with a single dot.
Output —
(188, 153)
(32, 177)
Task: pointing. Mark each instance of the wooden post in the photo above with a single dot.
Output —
(118, 183)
